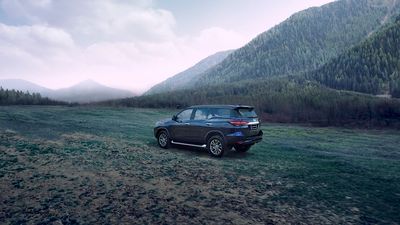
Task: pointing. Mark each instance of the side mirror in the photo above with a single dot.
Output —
(174, 118)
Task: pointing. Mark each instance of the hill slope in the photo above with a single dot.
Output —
(185, 78)
(370, 67)
(304, 42)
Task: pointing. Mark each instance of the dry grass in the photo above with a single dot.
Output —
(116, 174)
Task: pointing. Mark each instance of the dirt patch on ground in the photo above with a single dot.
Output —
(86, 179)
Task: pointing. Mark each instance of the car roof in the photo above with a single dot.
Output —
(221, 106)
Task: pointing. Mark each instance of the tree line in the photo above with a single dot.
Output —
(289, 99)
(14, 97)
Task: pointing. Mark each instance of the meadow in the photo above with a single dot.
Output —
(90, 165)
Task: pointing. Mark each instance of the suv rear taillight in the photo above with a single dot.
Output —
(238, 123)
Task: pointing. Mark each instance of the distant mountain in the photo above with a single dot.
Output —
(304, 42)
(23, 85)
(89, 91)
(371, 67)
(183, 79)
(84, 92)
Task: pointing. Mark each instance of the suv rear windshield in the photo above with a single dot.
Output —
(246, 112)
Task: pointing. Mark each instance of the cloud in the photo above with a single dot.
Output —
(27, 49)
(93, 21)
(218, 38)
(128, 44)
(35, 37)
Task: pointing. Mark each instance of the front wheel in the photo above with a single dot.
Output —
(242, 148)
(216, 146)
(163, 139)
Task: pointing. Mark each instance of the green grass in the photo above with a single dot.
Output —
(79, 165)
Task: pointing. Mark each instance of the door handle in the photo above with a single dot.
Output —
(187, 123)
(208, 124)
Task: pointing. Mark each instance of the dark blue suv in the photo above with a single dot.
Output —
(214, 127)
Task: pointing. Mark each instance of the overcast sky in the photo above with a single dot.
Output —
(131, 44)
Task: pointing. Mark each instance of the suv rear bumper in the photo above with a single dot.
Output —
(231, 140)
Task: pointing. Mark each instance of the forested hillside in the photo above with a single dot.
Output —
(304, 42)
(371, 67)
(283, 99)
(284, 72)
(13, 97)
(189, 76)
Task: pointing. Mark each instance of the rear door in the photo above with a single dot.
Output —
(199, 125)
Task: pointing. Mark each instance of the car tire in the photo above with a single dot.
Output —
(163, 139)
(242, 148)
(216, 146)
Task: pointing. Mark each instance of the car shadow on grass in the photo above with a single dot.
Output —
(201, 152)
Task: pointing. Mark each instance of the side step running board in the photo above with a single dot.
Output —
(198, 146)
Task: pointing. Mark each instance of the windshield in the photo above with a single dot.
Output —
(246, 112)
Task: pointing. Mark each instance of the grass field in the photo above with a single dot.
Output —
(77, 165)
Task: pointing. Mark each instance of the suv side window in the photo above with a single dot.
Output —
(220, 113)
(184, 115)
(201, 114)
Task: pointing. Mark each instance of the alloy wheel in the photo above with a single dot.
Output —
(216, 147)
(163, 139)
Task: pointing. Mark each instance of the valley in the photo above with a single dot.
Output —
(324, 83)
(326, 65)
(80, 165)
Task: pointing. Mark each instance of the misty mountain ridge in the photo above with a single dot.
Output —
(83, 92)
(87, 84)
(187, 77)
(23, 85)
